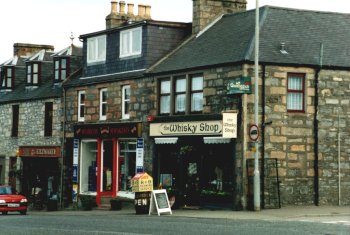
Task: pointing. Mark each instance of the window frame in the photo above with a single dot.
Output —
(131, 51)
(296, 91)
(103, 103)
(5, 78)
(30, 75)
(125, 111)
(81, 116)
(58, 70)
(173, 94)
(96, 49)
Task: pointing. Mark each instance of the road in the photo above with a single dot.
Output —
(51, 223)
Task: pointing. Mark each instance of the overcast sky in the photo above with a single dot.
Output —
(52, 21)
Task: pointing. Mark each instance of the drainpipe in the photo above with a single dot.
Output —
(316, 177)
(62, 146)
(263, 138)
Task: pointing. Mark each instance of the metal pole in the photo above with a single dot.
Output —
(256, 112)
(339, 195)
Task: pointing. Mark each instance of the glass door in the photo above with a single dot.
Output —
(107, 166)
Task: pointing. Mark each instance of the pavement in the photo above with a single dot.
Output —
(284, 213)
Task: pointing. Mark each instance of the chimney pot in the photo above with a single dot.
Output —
(114, 7)
(130, 9)
(122, 7)
(142, 10)
(148, 12)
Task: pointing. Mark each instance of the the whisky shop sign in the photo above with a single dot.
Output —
(186, 128)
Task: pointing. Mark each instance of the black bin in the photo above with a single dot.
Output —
(142, 202)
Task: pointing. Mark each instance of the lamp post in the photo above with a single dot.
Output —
(256, 111)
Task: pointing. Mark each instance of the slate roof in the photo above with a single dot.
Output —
(231, 40)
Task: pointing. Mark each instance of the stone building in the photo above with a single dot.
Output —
(303, 109)
(31, 116)
(107, 102)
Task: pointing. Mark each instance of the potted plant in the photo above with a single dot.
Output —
(116, 203)
(87, 201)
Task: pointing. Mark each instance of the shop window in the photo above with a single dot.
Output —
(127, 164)
(130, 42)
(33, 74)
(103, 104)
(48, 119)
(61, 68)
(81, 106)
(96, 49)
(295, 93)
(15, 120)
(88, 166)
(125, 102)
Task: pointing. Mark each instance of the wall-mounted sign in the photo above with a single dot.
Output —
(239, 85)
(186, 128)
(254, 132)
(229, 123)
(40, 151)
(107, 130)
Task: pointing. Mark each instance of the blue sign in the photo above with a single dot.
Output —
(140, 143)
(75, 174)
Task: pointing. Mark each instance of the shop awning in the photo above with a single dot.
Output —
(216, 140)
(172, 140)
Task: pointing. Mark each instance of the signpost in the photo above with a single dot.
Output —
(159, 202)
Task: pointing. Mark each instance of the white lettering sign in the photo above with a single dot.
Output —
(186, 128)
(229, 123)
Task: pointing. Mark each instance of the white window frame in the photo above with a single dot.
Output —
(96, 52)
(103, 103)
(129, 36)
(125, 113)
(81, 117)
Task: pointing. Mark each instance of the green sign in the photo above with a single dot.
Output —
(239, 85)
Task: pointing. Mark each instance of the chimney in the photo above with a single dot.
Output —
(206, 11)
(122, 7)
(130, 9)
(26, 49)
(114, 19)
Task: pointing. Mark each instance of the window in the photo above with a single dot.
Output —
(33, 73)
(81, 106)
(125, 102)
(180, 94)
(88, 166)
(186, 97)
(61, 69)
(295, 93)
(127, 166)
(15, 120)
(103, 104)
(165, 96)
(130, 42)
(8, 77)
(48, 119)
(196, 93)
(96, 49)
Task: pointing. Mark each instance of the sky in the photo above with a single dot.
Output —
(51, 22)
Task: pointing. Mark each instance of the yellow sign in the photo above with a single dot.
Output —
(142, 182)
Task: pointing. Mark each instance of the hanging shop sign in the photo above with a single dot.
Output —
(229, 123)
(107, 131)
(40, 151)
(186, 128)
(239, 85)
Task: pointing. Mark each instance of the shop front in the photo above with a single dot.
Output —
(40, 172)
(195, 163)
(104, 159)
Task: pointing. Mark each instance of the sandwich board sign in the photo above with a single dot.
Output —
(159, 202)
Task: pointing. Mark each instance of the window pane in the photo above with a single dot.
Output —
(9, 82)
(35, 78)
(136, 41)
(124, 45)
(127, 93)
(101, 48)
(104, 109)
(295, 83)
(91, 50)
(197, 102)
(35, 68)
(82, 108)
(29, 69)
(3, 82)
(64, 63)
(57, 74)
(9, 72)
(104, 96)
(165, 104)
(29, 80)
(181, 85)
(57, 64)
(180, 103)
(63, 74)
(295, 101)
(197, 83)
(165, 87)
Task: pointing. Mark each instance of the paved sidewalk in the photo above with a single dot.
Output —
(285, 213)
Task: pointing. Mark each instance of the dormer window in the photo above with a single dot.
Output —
(33, 73)
(8, 77)
(61, 68)
(130, 42)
